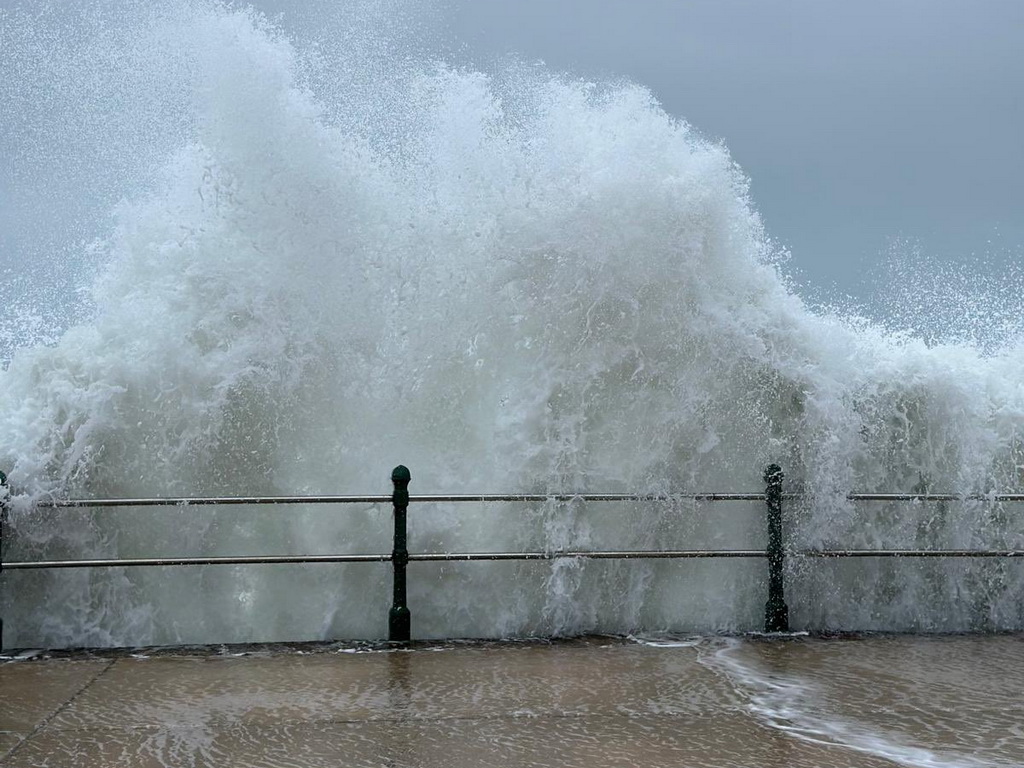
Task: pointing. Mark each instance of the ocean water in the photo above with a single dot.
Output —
(318, 258)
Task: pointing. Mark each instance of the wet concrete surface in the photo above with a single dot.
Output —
(591, 702)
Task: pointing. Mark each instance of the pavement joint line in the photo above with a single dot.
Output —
(49, 718)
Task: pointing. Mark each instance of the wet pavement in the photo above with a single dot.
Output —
(594, 702)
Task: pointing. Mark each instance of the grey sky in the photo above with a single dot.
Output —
(865, 127)
(858, 123)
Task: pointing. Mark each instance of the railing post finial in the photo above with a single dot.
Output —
(399, 617)
(776, 613)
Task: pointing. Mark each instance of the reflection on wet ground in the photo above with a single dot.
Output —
(765, 702)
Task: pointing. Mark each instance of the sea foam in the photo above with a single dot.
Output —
(510, 280)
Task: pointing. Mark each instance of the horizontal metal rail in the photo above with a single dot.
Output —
(909, 553)
(206, 501)
(670, 554)
(374, 558)
(665, 554)
(200, 501)
(155, 561)
(993, 497)
(380, 499)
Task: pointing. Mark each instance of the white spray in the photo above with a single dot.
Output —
(514, 281)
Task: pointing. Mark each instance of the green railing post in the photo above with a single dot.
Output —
(5, 495)
(399, 618)
(776, 614)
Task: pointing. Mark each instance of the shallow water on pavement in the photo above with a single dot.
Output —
(717, 702)
(915, 701)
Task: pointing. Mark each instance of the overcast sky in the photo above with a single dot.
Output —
(865, 127)
(860, 124)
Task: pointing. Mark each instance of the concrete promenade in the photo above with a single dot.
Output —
(591, 702)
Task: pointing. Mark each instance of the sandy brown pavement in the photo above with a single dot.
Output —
(594, 702)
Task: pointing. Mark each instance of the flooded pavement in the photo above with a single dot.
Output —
(595, 702)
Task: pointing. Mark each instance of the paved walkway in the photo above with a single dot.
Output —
(595, 702)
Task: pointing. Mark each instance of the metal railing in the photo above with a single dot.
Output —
(399, 615)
